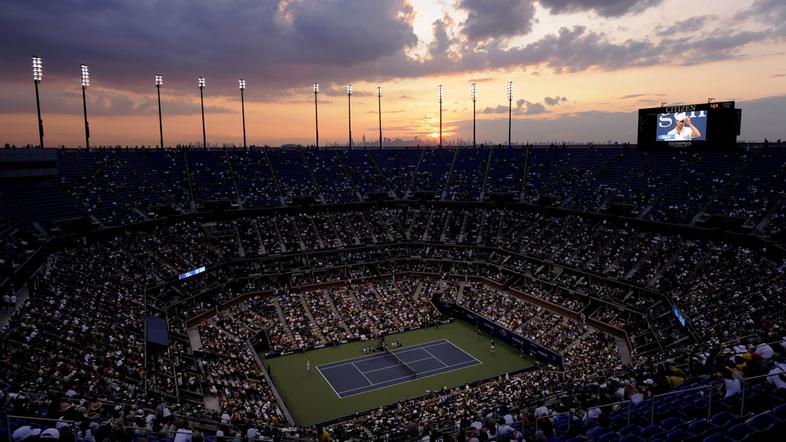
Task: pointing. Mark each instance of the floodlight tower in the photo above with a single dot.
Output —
(159, 82)
(242, 85)
(379, 112)
(316, 114)
(440, 114)
(474, 94)
(201, 83)
(510, 108)
(85, 84)
(38, 75)
(349, 104)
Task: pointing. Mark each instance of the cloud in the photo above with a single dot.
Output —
(496, 18)
(495, 110)
(627, 97)
(606, 8)
(523, 107)
(771, 12)
(688, 25)
(126, 41)
(531, 109)
(553, 101)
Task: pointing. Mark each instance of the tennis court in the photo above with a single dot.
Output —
(380, 370)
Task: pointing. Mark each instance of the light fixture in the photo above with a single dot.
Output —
(241, 83)
(38, 69)
(85, 76)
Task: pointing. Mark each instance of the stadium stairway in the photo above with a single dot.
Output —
(622, 349)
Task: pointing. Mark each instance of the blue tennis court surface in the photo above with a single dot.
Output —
(380, 370)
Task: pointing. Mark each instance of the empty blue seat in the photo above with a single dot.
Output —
(739, 432)
(671, 423)
(677, 435)
(597, 432)
(699, 427)
(652, 431)
(630, 429)
(779, 413)
(609, 437)
(762, 422)
(717, 437)
(722, 419)
(631, 438)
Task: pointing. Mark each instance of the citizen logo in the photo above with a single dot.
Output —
(685, 108)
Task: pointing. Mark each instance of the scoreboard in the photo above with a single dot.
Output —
(711, 125)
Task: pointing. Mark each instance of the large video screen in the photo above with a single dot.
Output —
(682, 126)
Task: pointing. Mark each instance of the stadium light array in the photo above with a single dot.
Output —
(85, 76)
(241, 84)
(38, 75)
(159, 82)
(379, 113)
(85, 84)
(201, 83)
(38, 69)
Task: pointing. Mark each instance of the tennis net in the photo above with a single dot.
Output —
(401, 362)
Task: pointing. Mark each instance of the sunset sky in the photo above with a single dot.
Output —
(580, 68)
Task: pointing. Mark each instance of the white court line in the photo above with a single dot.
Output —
(328, 382)
(438, 359)
(367, 358)
(455, 367)
(462, 350)
(362, 374)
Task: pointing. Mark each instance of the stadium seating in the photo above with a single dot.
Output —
(326, 246)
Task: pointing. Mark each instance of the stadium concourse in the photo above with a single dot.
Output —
(658, 276)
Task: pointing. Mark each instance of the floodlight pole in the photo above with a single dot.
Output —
(440, 115)
(87, 125)
(242, 85)
(510, 109)
(201, 83)
(379, 112)
(159, 81)
(316, 114)
(40, 121)
(474, 90)
(349, 105)
(85, 84)
(38, 74)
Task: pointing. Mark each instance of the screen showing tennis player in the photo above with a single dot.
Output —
(682, 126)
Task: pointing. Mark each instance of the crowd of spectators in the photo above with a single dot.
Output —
(321, 277)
